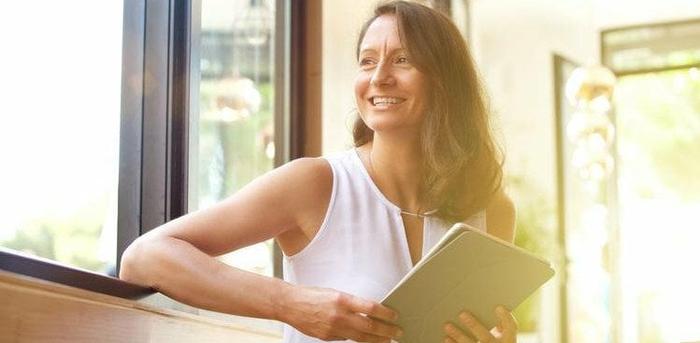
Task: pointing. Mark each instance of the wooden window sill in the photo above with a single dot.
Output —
(36, 310)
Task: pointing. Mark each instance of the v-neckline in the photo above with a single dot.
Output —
(397, 213)
(407, 249)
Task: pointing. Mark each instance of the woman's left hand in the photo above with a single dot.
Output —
(504, 332)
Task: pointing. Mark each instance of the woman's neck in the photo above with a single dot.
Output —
(396, 168)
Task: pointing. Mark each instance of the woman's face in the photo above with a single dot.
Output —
(390, 92)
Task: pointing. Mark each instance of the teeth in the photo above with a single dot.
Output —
(385, 100)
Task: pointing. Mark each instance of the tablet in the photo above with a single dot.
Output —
(467, 270)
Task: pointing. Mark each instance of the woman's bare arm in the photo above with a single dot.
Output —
(176, 258)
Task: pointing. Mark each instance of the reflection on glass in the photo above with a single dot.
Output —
(236, 131)
(590, 130)
(659, 147)
(59, 130)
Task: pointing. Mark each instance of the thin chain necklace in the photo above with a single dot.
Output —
(409, 213)
(418, 215)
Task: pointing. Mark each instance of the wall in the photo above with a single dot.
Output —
(609, 14)
(342, 20)
(513, 42)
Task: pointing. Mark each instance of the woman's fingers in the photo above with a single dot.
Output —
(361, 323)
(370, 308)
(508, 323)
(477, 329)
(357, 336)
(454, 334)
(374, 327)
(355, 327)
(329, 314)
(506, 330)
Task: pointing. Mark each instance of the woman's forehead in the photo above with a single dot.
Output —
(382, 34)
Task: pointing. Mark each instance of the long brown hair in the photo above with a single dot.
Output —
(462, 165)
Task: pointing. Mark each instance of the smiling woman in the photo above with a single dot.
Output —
(352, 224)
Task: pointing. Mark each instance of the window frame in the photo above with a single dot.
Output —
(606, 52)
(155, 100)
(559, 63)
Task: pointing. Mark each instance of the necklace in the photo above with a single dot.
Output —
(417, 214)
(406, 212)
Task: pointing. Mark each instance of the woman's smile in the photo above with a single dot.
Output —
(386, 102)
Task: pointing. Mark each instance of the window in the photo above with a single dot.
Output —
(59, 136)
(129, 88)
(657, 102)
(235, 134)
(117, 125)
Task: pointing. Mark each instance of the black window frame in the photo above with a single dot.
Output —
(160, 87)
(153, 134)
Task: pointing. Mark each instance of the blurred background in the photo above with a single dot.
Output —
(595, 103)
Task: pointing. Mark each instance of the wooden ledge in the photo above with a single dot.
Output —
(35, 310)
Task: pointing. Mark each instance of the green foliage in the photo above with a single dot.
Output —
(535, 232)
(659, 120)
(36, 240)
(659, 144)
(233, 154)
(67, 238)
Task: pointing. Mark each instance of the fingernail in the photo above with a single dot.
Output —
(501, 309)
(398, 333)
(464, 316)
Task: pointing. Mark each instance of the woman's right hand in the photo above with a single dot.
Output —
(330, 315)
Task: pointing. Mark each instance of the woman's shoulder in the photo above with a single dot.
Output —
(309, 184)
(309, 173)
(295, 188)
(308, 164)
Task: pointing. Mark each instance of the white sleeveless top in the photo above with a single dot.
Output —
(361, 246)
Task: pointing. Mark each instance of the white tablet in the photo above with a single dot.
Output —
(467, 270)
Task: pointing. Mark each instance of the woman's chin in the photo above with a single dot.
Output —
(389, 126)
(386, 121)
(382, 124)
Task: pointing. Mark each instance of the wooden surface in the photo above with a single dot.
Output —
(34, 310)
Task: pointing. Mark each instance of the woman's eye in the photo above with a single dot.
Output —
(365, 62)
(402, 59)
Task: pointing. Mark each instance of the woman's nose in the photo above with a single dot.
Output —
(382, 75)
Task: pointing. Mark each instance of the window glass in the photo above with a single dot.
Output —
(59, 131)
(659, 160)
(235, 125)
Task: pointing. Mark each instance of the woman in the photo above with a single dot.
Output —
(352, 224)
